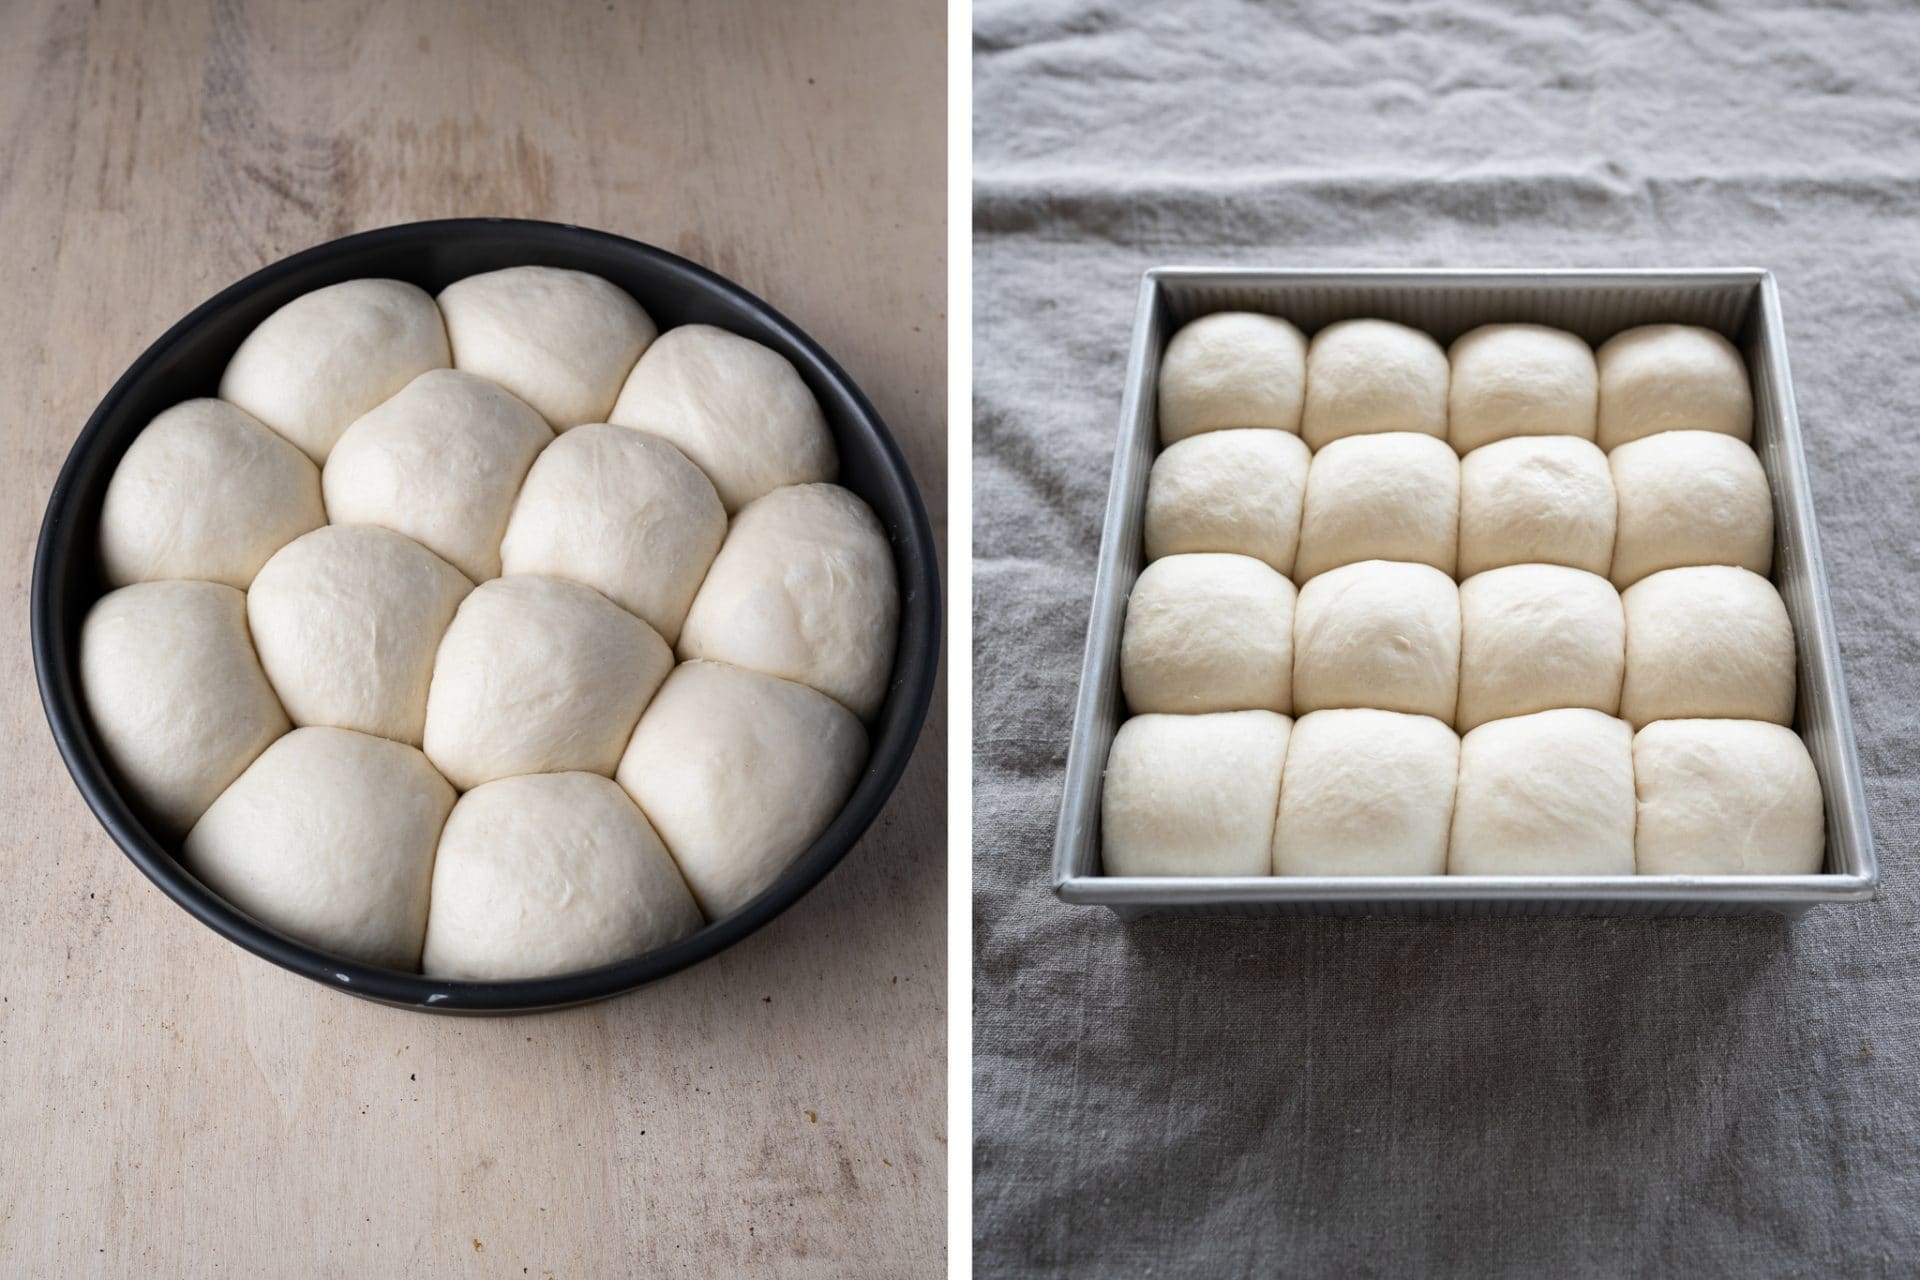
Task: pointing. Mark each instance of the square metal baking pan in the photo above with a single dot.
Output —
(1743, 304)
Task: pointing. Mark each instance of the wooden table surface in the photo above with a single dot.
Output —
(169, 1105)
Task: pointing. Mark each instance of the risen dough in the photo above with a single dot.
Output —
(440, 462)
(1232, 369)
(563, 341)
(1538, 636)
(176, 695)
(1378, 634)
(329, 356)
(1549, 794)
(1688, 498)
(1237, 491)
(205, 492)
(739, 773)
(803, 589)
(1208, 632)
(1520, 380)
(546, 874)
(1726, 797)
(1366, 793)
(1381, 497)
(1368, 376)
(1544, 500)
(347, 620)
(329, 837)
(1193, 795)
(1712, 641)
(536, 675)
(738, 409)
(1672, 377)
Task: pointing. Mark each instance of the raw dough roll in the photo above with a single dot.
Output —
(1708, 642)
(1366, 793)
(1208, 632)
(1726, 797)
(1232, 369)
(329, 356)
(176, 695)
(563, 341)
(536, 675)
(1672, 377)
(741, 411)
(1193, 795)
(1538, 636)
(1689, 498)
(740, 773)
(1381, 497)
(206, 492)
(803, 589)
(440, 462)
(623, 512)
(1550, 794)
(1371, 376)
(1237, 490)
(1378, 634)
(546, 874)
(1537, 500)
(347, 620)
(329, 838)
(1520, 380)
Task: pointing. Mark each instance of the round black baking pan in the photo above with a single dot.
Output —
(187, 362)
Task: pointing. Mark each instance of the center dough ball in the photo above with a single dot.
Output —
(1549, 794)
(1371, 376)
(1538, 636)
(1234, 491)
(536, 675)
(1520, 380)
(1366, 793)
(1672, 377)
(1193, 795)
(1688, 498)
(1381, 497)
(1378, 634)
(1726, 797)
(1545, 500)
(1208, 633)
(1232, 369)
(1712, 641)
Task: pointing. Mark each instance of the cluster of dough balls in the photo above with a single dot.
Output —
(497, 634)
(1515, 592)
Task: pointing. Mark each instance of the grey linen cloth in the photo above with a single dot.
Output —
(1485, 1098)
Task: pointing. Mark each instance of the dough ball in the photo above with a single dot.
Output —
(1726, 797)
(563, 341)
(740, 773)
(1672, 377)
(205, 492)
(1713, 642)
(1538, 636)
(1372, 376)
(622, 512)
(1366, 793)
(440, 462)
(1381, 497)
(550, 873)
(1550, 794)
(176, 695)
(329, 356)
(347, 620)
(738, 409)
(1537, 500)
(1237, 491)
(1193, 795)
(1689, 498)
(804, 589)
(329, 837)
(1232, 369)
(1208, 632)
(1520, 380)
(1378, 634)
(536, 675)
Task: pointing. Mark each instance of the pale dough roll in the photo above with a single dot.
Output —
(440, 462)
(1538, 636)
(1726, 797)
(1672, 377)
(1520, 380)
(1366, 793)
(740, 773)
(1193, 795)
(1371, 376)
(1208, 632)
(205, 491)
(1689, 498)
(1238, 491)
(1550, 794)
(176, 695)
(347, 620)
(803, 589)
(1232, 369)
(1393, 496)
(1378, 634)
(327, 357)
(1537, 500)
(1708, 642)
(329, 838)
(547, 874)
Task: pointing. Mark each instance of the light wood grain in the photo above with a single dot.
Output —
(171, 1106)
